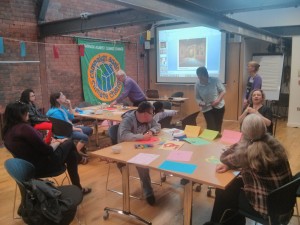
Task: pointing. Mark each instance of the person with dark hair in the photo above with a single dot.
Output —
(264, 167)
(160, 113)
(209, 92)
(256, 106)
(36, 118)
(24, 142)
(131, 90)
(139, 125)
(254, 80)
(59, 111)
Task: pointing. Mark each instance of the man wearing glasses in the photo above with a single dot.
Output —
(139, 125)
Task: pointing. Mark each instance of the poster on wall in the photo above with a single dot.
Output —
(99, 65)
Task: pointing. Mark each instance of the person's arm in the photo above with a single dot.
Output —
(125, 131)
(127, 86)
(155, 127)
(69, 113)
(198, 97)
(221, 90)
(243, 115)
(35, 116)
(71, 110)
(229, 158)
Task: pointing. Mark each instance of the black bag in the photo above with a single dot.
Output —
(43, 203)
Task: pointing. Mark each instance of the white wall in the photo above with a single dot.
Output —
(294, 105)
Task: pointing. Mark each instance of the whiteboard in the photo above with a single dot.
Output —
(270, 71)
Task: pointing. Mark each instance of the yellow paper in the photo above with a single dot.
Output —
(148, 35)
(209, 134)
(172, 145)
(192, 131)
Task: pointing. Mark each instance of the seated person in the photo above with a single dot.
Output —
(58, 111)
(24, 142)
(256, 100)
(139, 125)
(264, 167)
(160, 113)
(36, 118)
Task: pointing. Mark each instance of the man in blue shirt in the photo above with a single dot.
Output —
(209, 92)
(131, 90)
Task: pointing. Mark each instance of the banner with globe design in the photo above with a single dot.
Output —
(99, 64)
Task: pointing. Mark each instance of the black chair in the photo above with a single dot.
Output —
(151, 93)
(280, 204)
(61, 127)
(189, 120)
(21, 171)
(166, 122)
(178, 94)
(167, 105)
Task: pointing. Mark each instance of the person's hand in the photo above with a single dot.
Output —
(221, 168)
(68, 101)
(77, 129)
(245, 103)
(215, 102)
(250, 110)
(148, 135)
(112, 104)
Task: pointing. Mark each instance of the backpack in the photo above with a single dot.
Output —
(42, 203)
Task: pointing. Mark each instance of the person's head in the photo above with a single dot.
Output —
(27, 96)
(159, 107)
(57, 99)
(145, 112)
(14, 114)
(257, 97)
(202, 75)
(253, 127)
(121, 75)
(253, 67)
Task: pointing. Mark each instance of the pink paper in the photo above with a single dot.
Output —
(231, 137)
(180, 156)
(110, 109)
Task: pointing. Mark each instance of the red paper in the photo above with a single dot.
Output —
(81, 50)
(55, 52)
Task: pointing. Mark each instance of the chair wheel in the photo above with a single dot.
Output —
(163, 179)
(209, 193)
(105, 215)
(198, 188)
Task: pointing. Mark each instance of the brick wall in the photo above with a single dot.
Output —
(18, 22)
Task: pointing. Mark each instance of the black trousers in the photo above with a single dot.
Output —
(214, 119)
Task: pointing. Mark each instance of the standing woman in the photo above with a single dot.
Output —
(254, 80)
(59, 111)
(256, 106)
(24, 142)
(36, 118)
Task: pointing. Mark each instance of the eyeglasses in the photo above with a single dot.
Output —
(150, 113)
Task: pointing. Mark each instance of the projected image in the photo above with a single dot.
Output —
(192, 52)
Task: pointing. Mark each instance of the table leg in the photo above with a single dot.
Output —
(187, 203)
(97, 133)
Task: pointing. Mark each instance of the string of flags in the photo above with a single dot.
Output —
(55, 47)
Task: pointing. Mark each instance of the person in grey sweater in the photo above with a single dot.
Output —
(138, 125)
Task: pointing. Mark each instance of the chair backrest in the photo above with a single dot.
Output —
(190, 120)
(282, 200)
(178, 94)
(165, 122)
(113, 134)
(167, 105)
(151, 93)
(61, 128)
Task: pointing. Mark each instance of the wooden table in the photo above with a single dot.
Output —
(109, 113)
(202, 157)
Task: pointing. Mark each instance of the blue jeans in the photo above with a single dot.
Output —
(84, 135)
(145, 178)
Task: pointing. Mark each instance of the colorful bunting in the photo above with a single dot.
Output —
(81, 50)
(55, 52)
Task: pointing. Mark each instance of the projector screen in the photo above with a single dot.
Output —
(182, 49)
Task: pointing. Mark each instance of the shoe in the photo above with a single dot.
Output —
(151, 200)
(184, 181)
(86, 191)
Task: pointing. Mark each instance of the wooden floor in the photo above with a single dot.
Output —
(168, 209)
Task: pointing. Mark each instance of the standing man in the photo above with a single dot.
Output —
(209, 92)
(131, 90)
(138, 125)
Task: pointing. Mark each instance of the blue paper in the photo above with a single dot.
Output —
(178, 167)
(1, 45)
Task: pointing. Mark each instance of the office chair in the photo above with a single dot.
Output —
(61, 128)
(21, 171)
(178, 94)
(280, 204)
(188, 120)
(165, 122)
(167, 105)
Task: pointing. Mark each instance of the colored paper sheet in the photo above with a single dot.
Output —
(152, 139)
(23, 49)
(178, 167)
(192, 131)
(1, 45)
(171, 145)
(235, 173)
(209, 134)
(197, 141)
(213, 159)
(143, 158)
(180, 156)
(231, 137)
(110, 109)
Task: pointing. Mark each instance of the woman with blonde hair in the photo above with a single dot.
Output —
(264, 166)
(254, 80)
(256, 106)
